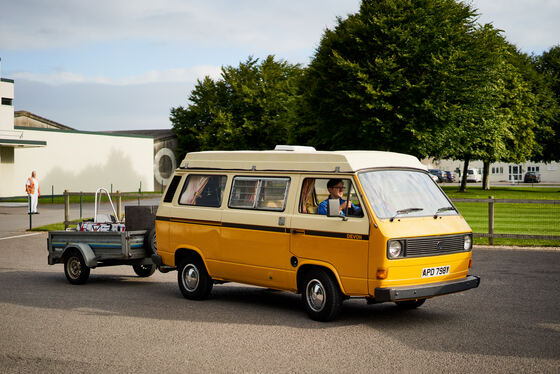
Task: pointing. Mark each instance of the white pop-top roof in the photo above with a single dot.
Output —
(319, 161)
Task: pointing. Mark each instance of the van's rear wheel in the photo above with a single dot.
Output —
(410, 304)
(75, 268)
(194, 281)
(321, 296)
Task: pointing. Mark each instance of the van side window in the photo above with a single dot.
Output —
(203, 190)
(171, 189)
(259, 193)
(314, 191)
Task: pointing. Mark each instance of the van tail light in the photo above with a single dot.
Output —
(470, 263)
(382, 273)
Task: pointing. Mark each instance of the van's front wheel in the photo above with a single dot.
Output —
(321, 296)
(194, 281)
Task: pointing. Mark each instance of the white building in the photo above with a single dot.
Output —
(502, 171)
(67, 159)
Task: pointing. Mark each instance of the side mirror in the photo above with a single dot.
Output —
(333, 208)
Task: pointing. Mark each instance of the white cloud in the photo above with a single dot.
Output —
(59, 23)
(152, 76)
(532, 25)
(96, 107)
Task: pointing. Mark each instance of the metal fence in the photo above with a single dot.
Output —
(489, 218)
(511, 218)
(117, 196)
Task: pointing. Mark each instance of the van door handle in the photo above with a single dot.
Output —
(298, 231)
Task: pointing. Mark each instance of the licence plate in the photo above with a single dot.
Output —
(435, 271)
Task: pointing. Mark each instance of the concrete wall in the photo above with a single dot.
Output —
(80, 161)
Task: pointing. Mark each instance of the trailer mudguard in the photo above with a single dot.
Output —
(86, 252)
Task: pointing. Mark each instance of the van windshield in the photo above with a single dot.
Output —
(404, 193)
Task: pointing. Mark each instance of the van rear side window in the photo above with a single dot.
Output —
(259, 193)
(203, 190)
(171, 189)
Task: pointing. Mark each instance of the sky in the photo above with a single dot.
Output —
(122, 65)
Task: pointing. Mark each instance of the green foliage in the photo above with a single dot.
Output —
(547, 87)
(250, 107)
(419, 77)
(384, 77)
(519, 193)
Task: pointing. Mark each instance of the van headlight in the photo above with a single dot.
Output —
(394, 249)
(467, 244)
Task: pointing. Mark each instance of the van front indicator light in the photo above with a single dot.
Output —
(394, 249)
(382, 273)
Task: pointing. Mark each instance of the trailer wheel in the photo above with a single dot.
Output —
(144, 270)
(150, 242)
(75, 268)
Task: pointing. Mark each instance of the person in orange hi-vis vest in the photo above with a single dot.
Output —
(33, 192)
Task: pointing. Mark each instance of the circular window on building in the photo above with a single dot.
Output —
(164, 165)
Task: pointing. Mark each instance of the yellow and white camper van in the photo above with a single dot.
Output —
(271, 219)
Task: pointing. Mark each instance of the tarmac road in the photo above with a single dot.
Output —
(121, 323)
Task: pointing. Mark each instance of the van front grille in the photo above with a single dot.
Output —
(434, 245)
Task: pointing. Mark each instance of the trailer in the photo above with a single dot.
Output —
(106, 241)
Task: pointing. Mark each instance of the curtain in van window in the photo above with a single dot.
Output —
(196, 184)
(306, 191)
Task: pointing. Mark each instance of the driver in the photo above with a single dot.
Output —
(336, 191)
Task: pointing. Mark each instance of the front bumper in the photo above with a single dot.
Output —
(425, 290)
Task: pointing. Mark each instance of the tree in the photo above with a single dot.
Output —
(509, 127)
(418, 77)
(251, 106)
(384, 77)
(547, 87)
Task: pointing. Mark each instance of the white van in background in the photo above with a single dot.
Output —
(473, 175)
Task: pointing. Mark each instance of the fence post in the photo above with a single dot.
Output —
(81, 194)
(52, 193)
(491, 220)
(119, 205)
(66, 208)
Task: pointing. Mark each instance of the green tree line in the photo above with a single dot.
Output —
(415, 76)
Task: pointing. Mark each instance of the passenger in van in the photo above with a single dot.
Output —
(336, 191)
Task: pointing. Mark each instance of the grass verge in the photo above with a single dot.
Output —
(509, 218)
(48, 199)
(519, 193)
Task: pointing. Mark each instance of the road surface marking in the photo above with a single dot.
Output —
(21, 236)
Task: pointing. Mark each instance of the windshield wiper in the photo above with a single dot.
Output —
(405, 211)
(444, 209)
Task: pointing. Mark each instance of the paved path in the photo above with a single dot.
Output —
(14, 219)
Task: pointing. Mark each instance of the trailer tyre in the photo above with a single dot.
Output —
(194, 281)
(144, 270)
(75, 268)
(150, 242)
